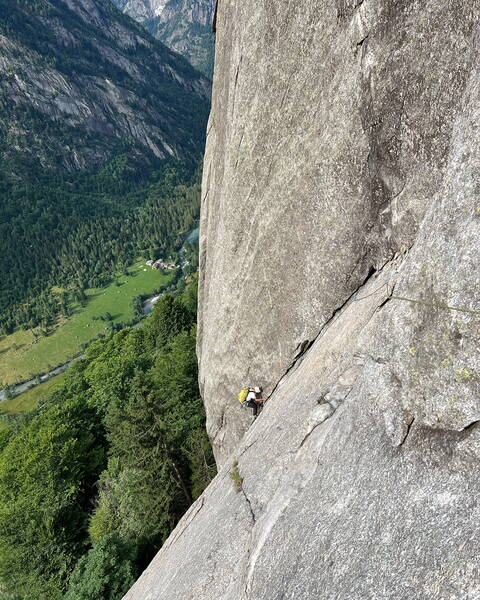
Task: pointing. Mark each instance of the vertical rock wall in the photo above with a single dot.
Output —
(328, 142)
(341, 205)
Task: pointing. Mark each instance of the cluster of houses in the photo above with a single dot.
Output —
(159, 264)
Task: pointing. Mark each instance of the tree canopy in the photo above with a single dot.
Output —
(92, 482)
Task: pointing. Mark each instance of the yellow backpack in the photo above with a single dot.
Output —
(242, 394)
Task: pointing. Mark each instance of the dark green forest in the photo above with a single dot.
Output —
(82, 192)
(94, 480)
(101, 133)
(75, 230)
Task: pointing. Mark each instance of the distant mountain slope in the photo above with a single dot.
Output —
(91, 110)
(186, 26)
(141, 9)
(78, 76)
(183, 25)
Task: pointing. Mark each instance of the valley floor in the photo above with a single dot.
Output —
(28, 400)
(24, 354)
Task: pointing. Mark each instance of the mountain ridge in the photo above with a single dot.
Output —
(141, 10)
(97, 117)
(103, 90)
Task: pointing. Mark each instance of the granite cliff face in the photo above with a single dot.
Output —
(339, 268)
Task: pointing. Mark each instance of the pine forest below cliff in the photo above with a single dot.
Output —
(102, 131)
(93, 480)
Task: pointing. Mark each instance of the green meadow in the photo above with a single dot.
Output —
(24, 354)
(28, 400)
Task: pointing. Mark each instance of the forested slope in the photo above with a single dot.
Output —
(94, 480)
(101, 128)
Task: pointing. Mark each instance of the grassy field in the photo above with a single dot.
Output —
(28, 400)
(22, 355)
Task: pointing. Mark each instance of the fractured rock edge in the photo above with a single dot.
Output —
(285, 476)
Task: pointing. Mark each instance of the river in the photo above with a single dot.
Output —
(150, 303)
(193, 236)
(18, 389)
(27, 385)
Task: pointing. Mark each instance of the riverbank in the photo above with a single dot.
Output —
(28, 401)
(20, 388)
(150, 303)
(26, 353)
(109, 298)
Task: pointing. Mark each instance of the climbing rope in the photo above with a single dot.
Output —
(356, 298)
(413, 301)
(434, 305)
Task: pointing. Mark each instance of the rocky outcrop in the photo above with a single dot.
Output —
(79, 82)
(339, 268)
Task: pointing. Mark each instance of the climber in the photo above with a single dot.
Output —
(251, 397)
